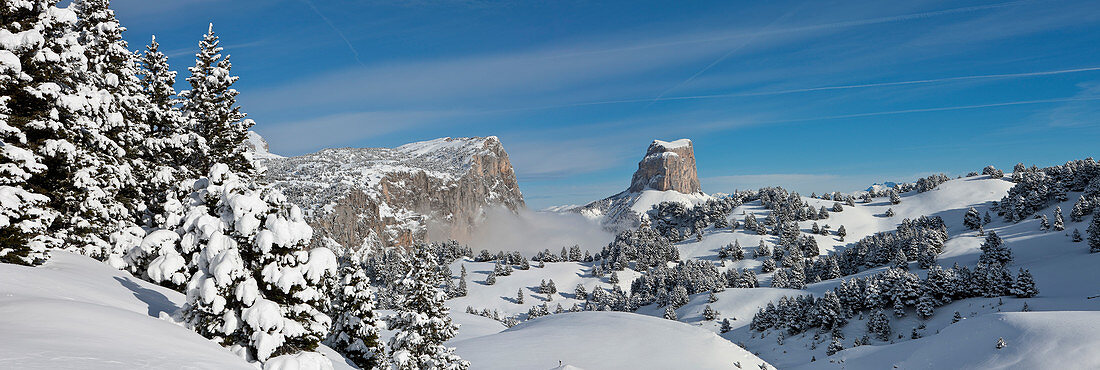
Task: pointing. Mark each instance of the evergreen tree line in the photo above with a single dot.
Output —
(899, 290)
(677, 222)
(1037, 187)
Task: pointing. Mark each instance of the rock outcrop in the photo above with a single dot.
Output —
(666, 174)
(435, 190)
(667, 166)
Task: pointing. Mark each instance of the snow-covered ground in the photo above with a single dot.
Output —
(1065, 273)
(77, 313)
(74, 312)
(604, 340)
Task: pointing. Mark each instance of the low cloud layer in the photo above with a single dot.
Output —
(530, 232)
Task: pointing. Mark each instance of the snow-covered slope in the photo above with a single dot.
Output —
(77, 313)
(604, 340)
(1057, 333)
(1035, 340)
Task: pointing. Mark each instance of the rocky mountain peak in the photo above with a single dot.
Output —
(668, 165)
(396, 197)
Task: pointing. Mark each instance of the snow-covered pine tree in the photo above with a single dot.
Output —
(925, 306)
(834, 347)
(709, 313)
(462, 289)
(894, 197)
(26, 211)
(356, 328)
(889, 212)
(61, 171)
(670, 313)
(1078, 212)
(726, 326)
(245, 234)
(768, 265)
(1094, 234)
(830, 311)
(879, 325)
(421, 323)
(972, 219)
(170, 147)
(1076, 236)
(211, 104)
(114, 73)
(1044, 223)
(1059, 222)
(1024, 286)
(994, 250)
(900, 260)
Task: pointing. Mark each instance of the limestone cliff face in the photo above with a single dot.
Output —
(397, 197)
(667, 166)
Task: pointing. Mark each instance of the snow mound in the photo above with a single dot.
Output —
(1035, 340)
(77, 313)
(74, 312)
(604, 340)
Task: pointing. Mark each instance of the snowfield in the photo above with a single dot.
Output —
(77, 313)
(1035, 340)
(604, 340)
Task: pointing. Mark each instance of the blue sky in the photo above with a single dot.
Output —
(812, 95)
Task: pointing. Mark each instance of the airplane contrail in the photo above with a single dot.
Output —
(938, 109)
(853, 23)
(721, 58)
(827, 88)
(354, 52)
(813, 27)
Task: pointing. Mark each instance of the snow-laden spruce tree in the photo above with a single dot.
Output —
(1094, 234)
(421, 323)
(1059, 221)
(211, 105)
(972, 219)
(1024, 286)
(994, 251)
(256, 288)
(24, 212)
(170, 148)
(356, 327)
(55, 137)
